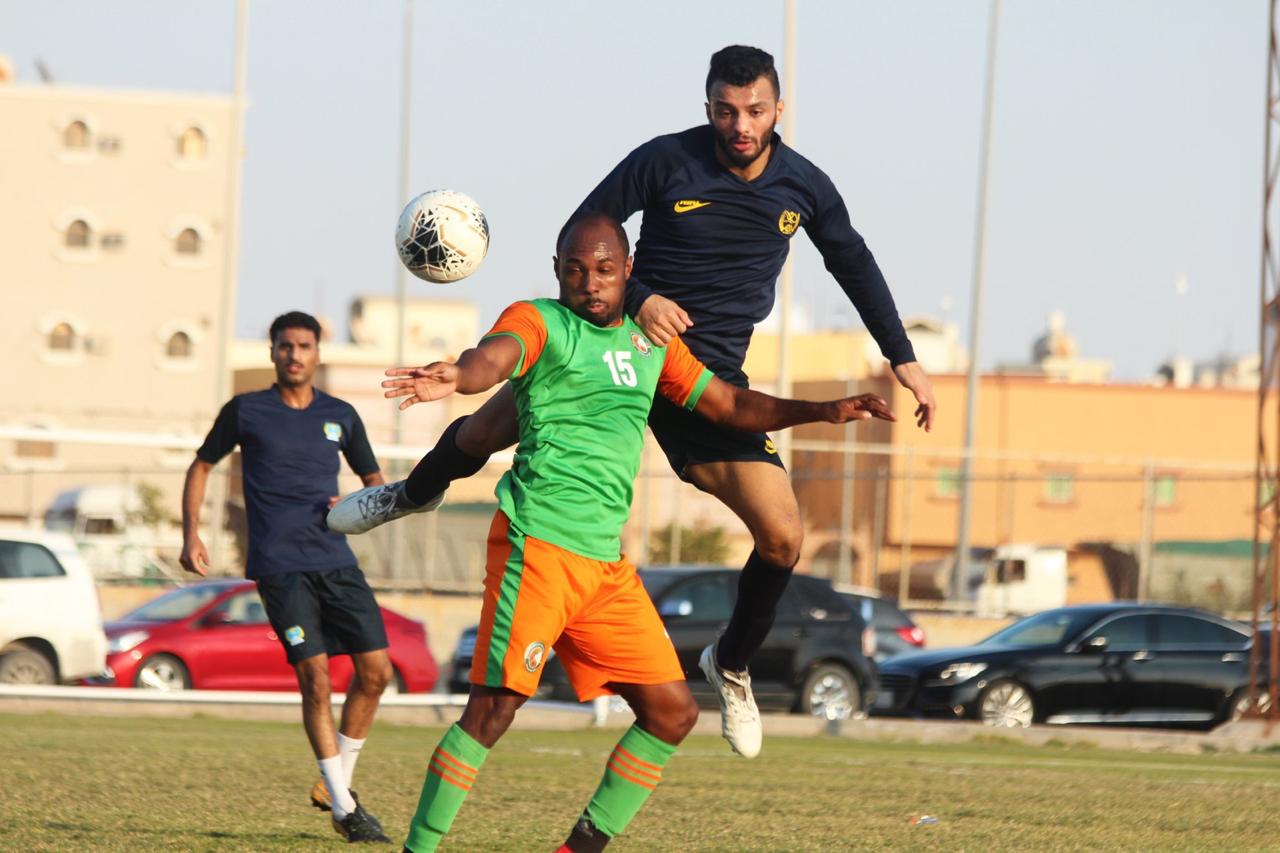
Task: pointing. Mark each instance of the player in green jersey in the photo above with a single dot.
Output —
(584, 377)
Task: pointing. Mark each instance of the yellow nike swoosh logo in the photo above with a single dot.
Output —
(685, 205)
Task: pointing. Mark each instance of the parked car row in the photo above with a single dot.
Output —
(831, 653)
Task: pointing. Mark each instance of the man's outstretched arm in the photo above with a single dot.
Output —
(752, 411)
(478, 369)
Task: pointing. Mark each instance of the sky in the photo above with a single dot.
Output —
(1127, 144)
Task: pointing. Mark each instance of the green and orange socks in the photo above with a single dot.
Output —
(634, 769)
(450, 774)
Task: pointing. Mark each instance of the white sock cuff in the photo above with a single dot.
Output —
(349, 744)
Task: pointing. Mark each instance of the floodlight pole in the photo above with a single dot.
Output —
(406, 126)
(222, 384)
(960, 572)
(787, 289)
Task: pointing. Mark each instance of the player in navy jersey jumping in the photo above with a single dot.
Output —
(720, 205)
(315, 596)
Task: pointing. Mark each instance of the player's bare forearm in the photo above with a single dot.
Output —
(484, 366)
(752, 411)
(193, 491)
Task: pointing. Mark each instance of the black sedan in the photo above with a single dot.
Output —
(815, 660)
(1107, 663)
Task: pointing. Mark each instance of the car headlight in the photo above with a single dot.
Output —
(958, 672)
(127, 640)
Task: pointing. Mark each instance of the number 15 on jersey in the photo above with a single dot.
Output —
(620, 368)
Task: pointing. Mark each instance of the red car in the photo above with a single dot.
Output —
(215, 636)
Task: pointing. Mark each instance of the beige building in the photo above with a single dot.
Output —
(112, 230)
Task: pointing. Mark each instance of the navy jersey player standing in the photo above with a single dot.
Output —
(720, 205)
(314, 594)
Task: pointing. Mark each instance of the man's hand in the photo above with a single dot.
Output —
(661, 319)
(912, 377)
(861, 408)
(195, 557)
(421, 384)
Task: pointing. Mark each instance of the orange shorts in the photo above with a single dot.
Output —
(596, 615)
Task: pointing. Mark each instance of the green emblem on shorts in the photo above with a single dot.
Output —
(332, 431)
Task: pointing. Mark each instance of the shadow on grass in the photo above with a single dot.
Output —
(170, 834)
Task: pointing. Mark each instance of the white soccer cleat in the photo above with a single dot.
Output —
(739, 716)
(360, 512)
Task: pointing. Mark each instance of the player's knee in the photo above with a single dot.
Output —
(373, 680)
(673, 722)
(313, 681)
(684, 720)
(488, 722)
(780, 545)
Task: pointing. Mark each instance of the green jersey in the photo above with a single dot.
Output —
(582, 397)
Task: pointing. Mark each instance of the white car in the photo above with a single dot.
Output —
(50, 618)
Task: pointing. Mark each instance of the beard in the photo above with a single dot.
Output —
(738, 158)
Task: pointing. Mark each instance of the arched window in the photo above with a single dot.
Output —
(78, 234)
(75, 136)
(192, 144)
(188, 242)
(179, 345)
(62, 338)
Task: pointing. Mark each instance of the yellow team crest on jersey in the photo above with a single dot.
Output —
(788, 222)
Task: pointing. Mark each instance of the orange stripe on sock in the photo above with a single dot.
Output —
(617, 768)
(639, 764)
(462, 769)
(444, 774)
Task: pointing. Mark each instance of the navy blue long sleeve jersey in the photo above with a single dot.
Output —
(715, 243)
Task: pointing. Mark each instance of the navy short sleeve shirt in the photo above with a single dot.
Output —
(290, 467)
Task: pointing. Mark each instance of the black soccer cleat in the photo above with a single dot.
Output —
(360, 827)
(585, 838)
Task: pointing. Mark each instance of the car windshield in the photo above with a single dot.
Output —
(1051, 628)
(178, 604)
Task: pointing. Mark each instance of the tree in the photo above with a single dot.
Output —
(699, 544)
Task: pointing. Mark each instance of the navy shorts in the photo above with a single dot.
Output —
(688, 438)
(328, 612)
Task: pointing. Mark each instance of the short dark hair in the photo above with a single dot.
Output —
(294, 320)
(591, 218)
(739, 65)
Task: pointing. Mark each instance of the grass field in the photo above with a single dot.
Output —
(82, 783)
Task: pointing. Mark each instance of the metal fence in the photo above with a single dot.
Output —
(1159, 529)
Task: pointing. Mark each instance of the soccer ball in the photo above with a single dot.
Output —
(442, 236)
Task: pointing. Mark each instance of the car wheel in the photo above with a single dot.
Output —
(1006, 704)
(26, 666)
(162, 672)
(831, 692)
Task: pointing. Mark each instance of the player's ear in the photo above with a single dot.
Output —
(626, 270)
(781, 106)
(707, 108)
(555, 265)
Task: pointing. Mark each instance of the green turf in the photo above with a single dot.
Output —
(82, 783)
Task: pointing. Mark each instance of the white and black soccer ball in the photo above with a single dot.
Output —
(442, 236)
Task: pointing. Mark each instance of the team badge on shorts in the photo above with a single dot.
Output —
(788, 222)
(770, 447)
(295, 635)
(534, 653)
(332, 431)
(642, 346)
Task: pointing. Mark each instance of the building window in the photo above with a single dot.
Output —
(192, 144)
(178, 346)
(75, 137)
(1059, 488)
(188, 242)
(1166, 490)
(38, 450)
(946, 483)
(78, 234)
(63, 338)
